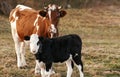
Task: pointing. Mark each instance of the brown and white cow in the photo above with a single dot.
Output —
(26, 21)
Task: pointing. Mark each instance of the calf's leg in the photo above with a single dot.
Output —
(79, 64)
(48, 69)
(69, 67)
(37, 68)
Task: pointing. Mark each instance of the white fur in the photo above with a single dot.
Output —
(22, 7)
(53, 29)
(49, 14)
(36, 21)
(53, 7)
(19, 46)
(40, 68)
(80, 70)
(33, 43)
(69, 68)
(37, 67)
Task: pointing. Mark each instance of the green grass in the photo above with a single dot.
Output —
(99, 29)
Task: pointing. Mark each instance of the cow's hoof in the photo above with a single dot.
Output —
(23, 67)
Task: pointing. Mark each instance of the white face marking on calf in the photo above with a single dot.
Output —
(33, 43)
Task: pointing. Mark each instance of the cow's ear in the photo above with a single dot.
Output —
(43, 13)
(41, 38)
(62, 13)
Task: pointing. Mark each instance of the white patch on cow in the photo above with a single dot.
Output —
(37, 28)
(36, 21)
(49, 14)
(13, 24)
(53, 29)
(33, 43)
(51, 8)
(43, 18)
(22, 7)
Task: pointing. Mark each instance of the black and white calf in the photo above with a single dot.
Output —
(53, 50)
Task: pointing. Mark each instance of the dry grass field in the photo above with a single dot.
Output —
(99, 29)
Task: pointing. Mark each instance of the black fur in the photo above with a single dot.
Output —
(59, 50)
(27, 38)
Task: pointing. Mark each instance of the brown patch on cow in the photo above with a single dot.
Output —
(27, 23)
(26, 27)
(43, 30)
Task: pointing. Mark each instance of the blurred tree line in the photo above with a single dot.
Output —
(7, 5)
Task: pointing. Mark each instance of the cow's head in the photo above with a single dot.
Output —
(53, 13)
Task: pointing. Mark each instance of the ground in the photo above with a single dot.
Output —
(99, 28)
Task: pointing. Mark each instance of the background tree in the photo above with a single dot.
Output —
(7, 5)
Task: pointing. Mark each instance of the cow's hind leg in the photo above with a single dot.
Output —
(18, 46)
(22, 52)
(17, 49)
(79, 64)
(69, 67)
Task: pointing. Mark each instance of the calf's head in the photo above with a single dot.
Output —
(34, 43)
(53, 13)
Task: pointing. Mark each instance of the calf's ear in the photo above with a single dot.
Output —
(41, 38)
(62, 13)
(43, 13)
